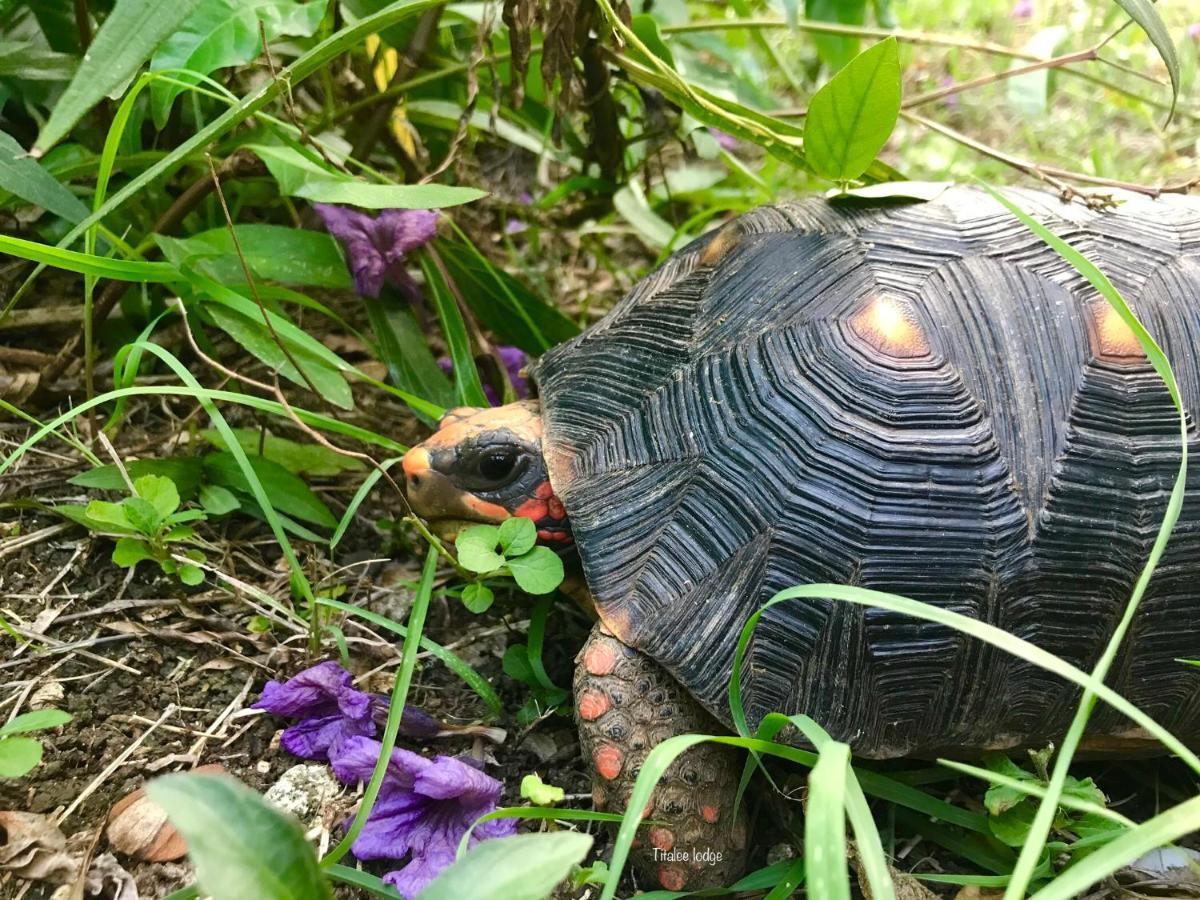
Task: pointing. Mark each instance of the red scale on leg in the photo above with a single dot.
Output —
(593, 704)
(600, 658)
(671, 878)
(710, 814)
(608, 760)
(662, 838)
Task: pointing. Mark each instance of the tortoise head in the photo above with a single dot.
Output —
(485, 465)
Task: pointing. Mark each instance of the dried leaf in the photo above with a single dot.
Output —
(35, 848)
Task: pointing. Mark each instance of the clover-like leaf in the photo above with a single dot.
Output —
(217, 500)
(478, 597)
(191, 575)
(517, 536)
(477, 548)
(18, 755)
(539, 571)
(160, 491)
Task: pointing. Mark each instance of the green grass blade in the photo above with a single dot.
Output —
(87, 264)
(408, 662)
(826, 871)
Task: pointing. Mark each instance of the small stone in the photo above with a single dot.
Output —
(303, 791)
(262, 767)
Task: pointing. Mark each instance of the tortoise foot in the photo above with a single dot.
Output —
(625, 705)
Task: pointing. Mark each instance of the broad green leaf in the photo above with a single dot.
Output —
(184, 471)
(288, 493)
(130, 551)
(191, 575)
(645, 26)
(516, 536)
(276, 253)
(297, 458)
(539, 571)
(160, 491)
(1145, 13)
(127, 39)
(538, 792)
(404, 349)
(523, 867)
(37, 720)
(388, 196)
(57, 21)
(22, 176)
(253, 335)
(31, 62)
(850, 118)
(142, 515)
(109, 514)
(655, 231)
(897, 191)
(516, 666)
(240, 845)
(468, 391)
(478, 597)
(18, 755)
(836, 50)
(217, 501)
(476, 546)
(223, 33)
(86, 264)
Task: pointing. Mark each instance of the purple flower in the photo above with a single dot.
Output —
(726, 141)
(1194, 31)
(1023, 9)
(526, 198)
(514, 226)
(514, 360)
(423, 809)
(951, 100)
(329, 707)
(375, 247)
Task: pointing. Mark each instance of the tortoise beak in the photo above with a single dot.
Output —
(430, 493)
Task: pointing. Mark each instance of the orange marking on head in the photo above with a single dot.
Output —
(556, 509)
(710, 814)
(1113, 336)
(532, 509)
(415, 462)
(600, 659)
(593, 704)
(489, 511)
(890, 327)
(671, 878)
(544, 491)
(608, 760)
(662, 838)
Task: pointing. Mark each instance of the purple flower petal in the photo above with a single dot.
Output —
(1023, 9)
(515, 226)
(316, 738)
(1194, 31)
(375, 247)
(328, 705)
(423, 809)
(724, 140)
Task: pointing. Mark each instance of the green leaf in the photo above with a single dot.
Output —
(478, 597)
(1145, 13)
(538, 792)
(290, 168)
(142, 515)
(288, 493)
(224, 33)
(826, 872)
(523, 867)
(184, 471)
(850, 118)
(33, 62)
(467, 388)
(159, 491)
(87, 264)
(388, 196)
(516, 666)
(109, 514)
(645, 26)
(1012, 826)
(297, 458)
(191, 575)
(127, 38)
(240, 845)
(37, 720)
(516, 536)
(404, 349)
(218, 501)
(539, 571)
(18, 755)
(21, 175)
(253, 335)
(276, 253)
(476, 546)
(130, 551)
(836, 50)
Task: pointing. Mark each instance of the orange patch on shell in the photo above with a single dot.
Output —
(608, 760)
(593, 704)
(710, 814)
(671, 878)
(600, 658)
(662, 838)
(1111, 335)
(890, 327)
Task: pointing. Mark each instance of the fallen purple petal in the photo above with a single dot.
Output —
(1023, 9)
(1193, 31)
(375, 246)
(423, 809)
(328, 705)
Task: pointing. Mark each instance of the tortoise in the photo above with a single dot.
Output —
(923, 399)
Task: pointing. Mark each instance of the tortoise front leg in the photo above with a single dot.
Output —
(626, 704)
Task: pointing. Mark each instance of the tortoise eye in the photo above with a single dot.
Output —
(498, 464)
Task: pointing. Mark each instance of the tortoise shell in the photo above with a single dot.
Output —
(923, 399)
